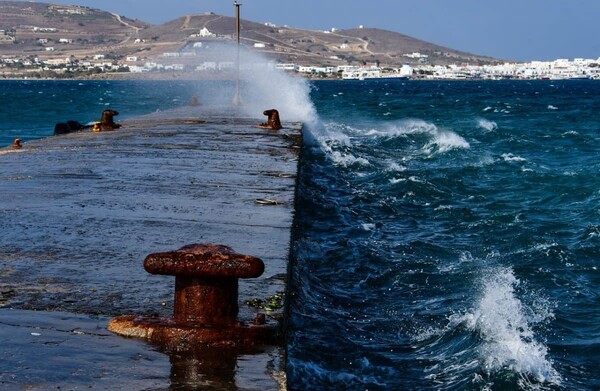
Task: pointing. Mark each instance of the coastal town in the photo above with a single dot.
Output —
(31, 67)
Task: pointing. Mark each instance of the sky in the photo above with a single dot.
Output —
(519, 30)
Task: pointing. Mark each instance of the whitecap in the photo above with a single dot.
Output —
(550, 107)
(347, 159)
(403, 128)
(368, 227)
(486, 124)
(509, 157)
(504, 324)
(393, 166)
(446, 141)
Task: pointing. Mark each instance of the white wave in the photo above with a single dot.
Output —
(446, 141)
(486, 124)
(368, 227)
(395, 167)
(440, 140)
(405, 127)
(550, 107)
(347, 159)
(394, 181)
(487, 109)
(504, 323)
(509, 157)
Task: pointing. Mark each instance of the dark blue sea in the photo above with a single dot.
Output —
(448, 233)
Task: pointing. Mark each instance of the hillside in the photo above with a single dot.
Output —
(39, 28)
(50, 31)
(313, 47)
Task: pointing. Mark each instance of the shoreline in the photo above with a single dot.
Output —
(182, 76)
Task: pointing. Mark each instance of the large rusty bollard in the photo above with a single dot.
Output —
(206, 300)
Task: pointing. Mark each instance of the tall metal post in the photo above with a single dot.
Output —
(237, 99)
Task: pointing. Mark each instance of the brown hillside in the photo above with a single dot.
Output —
(92, 31)
(37, 26)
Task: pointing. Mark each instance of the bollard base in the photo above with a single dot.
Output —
(170, 334)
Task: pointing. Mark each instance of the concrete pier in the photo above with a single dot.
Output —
(78, 214)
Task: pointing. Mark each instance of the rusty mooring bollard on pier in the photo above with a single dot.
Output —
(206, 301)
(273, 121)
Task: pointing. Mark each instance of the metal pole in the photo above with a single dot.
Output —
(237, 99)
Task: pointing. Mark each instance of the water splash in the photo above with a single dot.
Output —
(504, 324)
(487, 125)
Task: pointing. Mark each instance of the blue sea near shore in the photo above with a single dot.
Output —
(30, 109)
(448, 232)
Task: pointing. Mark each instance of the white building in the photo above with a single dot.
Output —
(57, 61)
(406, 70)
(207, 66)
(285, 67)
(45, 29)
(206, 33)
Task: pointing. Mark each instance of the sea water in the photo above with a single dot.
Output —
(449, 238)
(448, 232)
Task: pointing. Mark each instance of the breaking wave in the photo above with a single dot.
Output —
(486, 124)
(505, 326)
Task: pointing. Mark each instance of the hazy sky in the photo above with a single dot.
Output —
(511, 29)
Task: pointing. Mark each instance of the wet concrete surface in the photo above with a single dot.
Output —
(64, 351)
(78, 214)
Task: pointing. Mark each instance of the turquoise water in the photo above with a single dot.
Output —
(30, 109)
(449, 232)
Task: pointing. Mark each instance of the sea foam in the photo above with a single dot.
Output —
(439, 140)
(504, 324)
(486, 124)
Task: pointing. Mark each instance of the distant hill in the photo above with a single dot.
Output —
(38, 26)
(47, 30)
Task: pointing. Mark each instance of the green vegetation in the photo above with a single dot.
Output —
(269, 304)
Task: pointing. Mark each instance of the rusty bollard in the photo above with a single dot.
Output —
(273, 121)
(107, 122)
(17, 144)
(206, 300)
